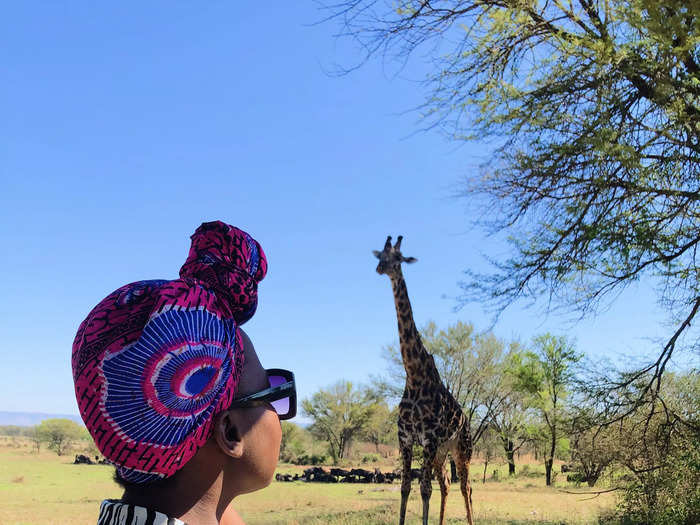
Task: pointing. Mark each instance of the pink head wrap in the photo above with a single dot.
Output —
(155, 361)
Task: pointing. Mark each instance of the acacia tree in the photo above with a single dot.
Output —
(512, 421)
(593, 108)
(295, 441)
(488, 449)
(58, 433)
(36, 437)
(381, 425)
(546, 374)
(510, 424)
(340, 414)
(593, 448)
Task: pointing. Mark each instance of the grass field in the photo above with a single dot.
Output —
(46, 489)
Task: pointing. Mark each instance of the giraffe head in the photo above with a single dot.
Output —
(390, 258)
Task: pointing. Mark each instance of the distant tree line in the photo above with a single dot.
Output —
(57, 434)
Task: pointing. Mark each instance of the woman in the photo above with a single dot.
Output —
(172, 390)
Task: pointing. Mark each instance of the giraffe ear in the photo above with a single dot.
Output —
(377, 253)
(409, 260)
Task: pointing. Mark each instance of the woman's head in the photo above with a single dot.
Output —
(157, 364)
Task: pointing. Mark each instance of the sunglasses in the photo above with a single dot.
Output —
(282, 394)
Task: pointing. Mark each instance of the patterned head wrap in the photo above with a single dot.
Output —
(155, 361)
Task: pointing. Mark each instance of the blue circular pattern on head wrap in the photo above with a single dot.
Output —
(185, 359)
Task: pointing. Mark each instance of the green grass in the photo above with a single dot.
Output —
(494, 502)
(47, 489)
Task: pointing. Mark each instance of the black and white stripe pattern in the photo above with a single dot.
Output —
(113, 512)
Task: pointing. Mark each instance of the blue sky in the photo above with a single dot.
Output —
(126, 125)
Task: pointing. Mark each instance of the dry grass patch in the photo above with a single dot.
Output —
(45, 488)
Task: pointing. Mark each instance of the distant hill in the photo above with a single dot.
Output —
(28, 419)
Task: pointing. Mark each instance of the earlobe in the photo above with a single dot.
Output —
(377, 254)
(228, 435)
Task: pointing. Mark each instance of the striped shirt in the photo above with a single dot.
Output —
(114, 512)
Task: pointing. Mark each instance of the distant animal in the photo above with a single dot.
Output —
(82, 460)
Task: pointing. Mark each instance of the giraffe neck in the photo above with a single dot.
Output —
(415, 357)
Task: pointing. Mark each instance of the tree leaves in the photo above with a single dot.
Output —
(593, 109)
(58, 433)
(340, 414)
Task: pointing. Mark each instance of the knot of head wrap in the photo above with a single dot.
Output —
(230, 262)
(155, 361)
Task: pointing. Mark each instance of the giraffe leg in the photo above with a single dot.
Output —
(464, 457)
(467, 493)
(465, 484)
(426, 488)
(406, 457)
(440, 469)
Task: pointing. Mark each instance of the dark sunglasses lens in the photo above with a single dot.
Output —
(281, 406)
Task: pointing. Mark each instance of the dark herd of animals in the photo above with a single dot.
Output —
(317, 474)
(80, 459)
(336, 475)
(339, 475)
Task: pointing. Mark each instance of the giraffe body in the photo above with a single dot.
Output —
(429, 415)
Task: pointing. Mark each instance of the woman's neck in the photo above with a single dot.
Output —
(186, 499)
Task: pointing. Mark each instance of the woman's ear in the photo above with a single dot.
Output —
(228, 434)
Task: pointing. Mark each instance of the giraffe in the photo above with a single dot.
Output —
(428, 413)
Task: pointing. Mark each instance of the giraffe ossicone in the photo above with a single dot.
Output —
(390, 258)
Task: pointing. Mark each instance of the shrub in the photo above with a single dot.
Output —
(667, 490)
(576, 477)
(666, 497)
(661, 454)
(313, 459)
(370, 458)
(527, 472)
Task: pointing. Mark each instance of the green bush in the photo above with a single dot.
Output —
(370, 458)
(527, 472)
(666, 497)
(576, 477)
(313, 459)
(668, 491)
